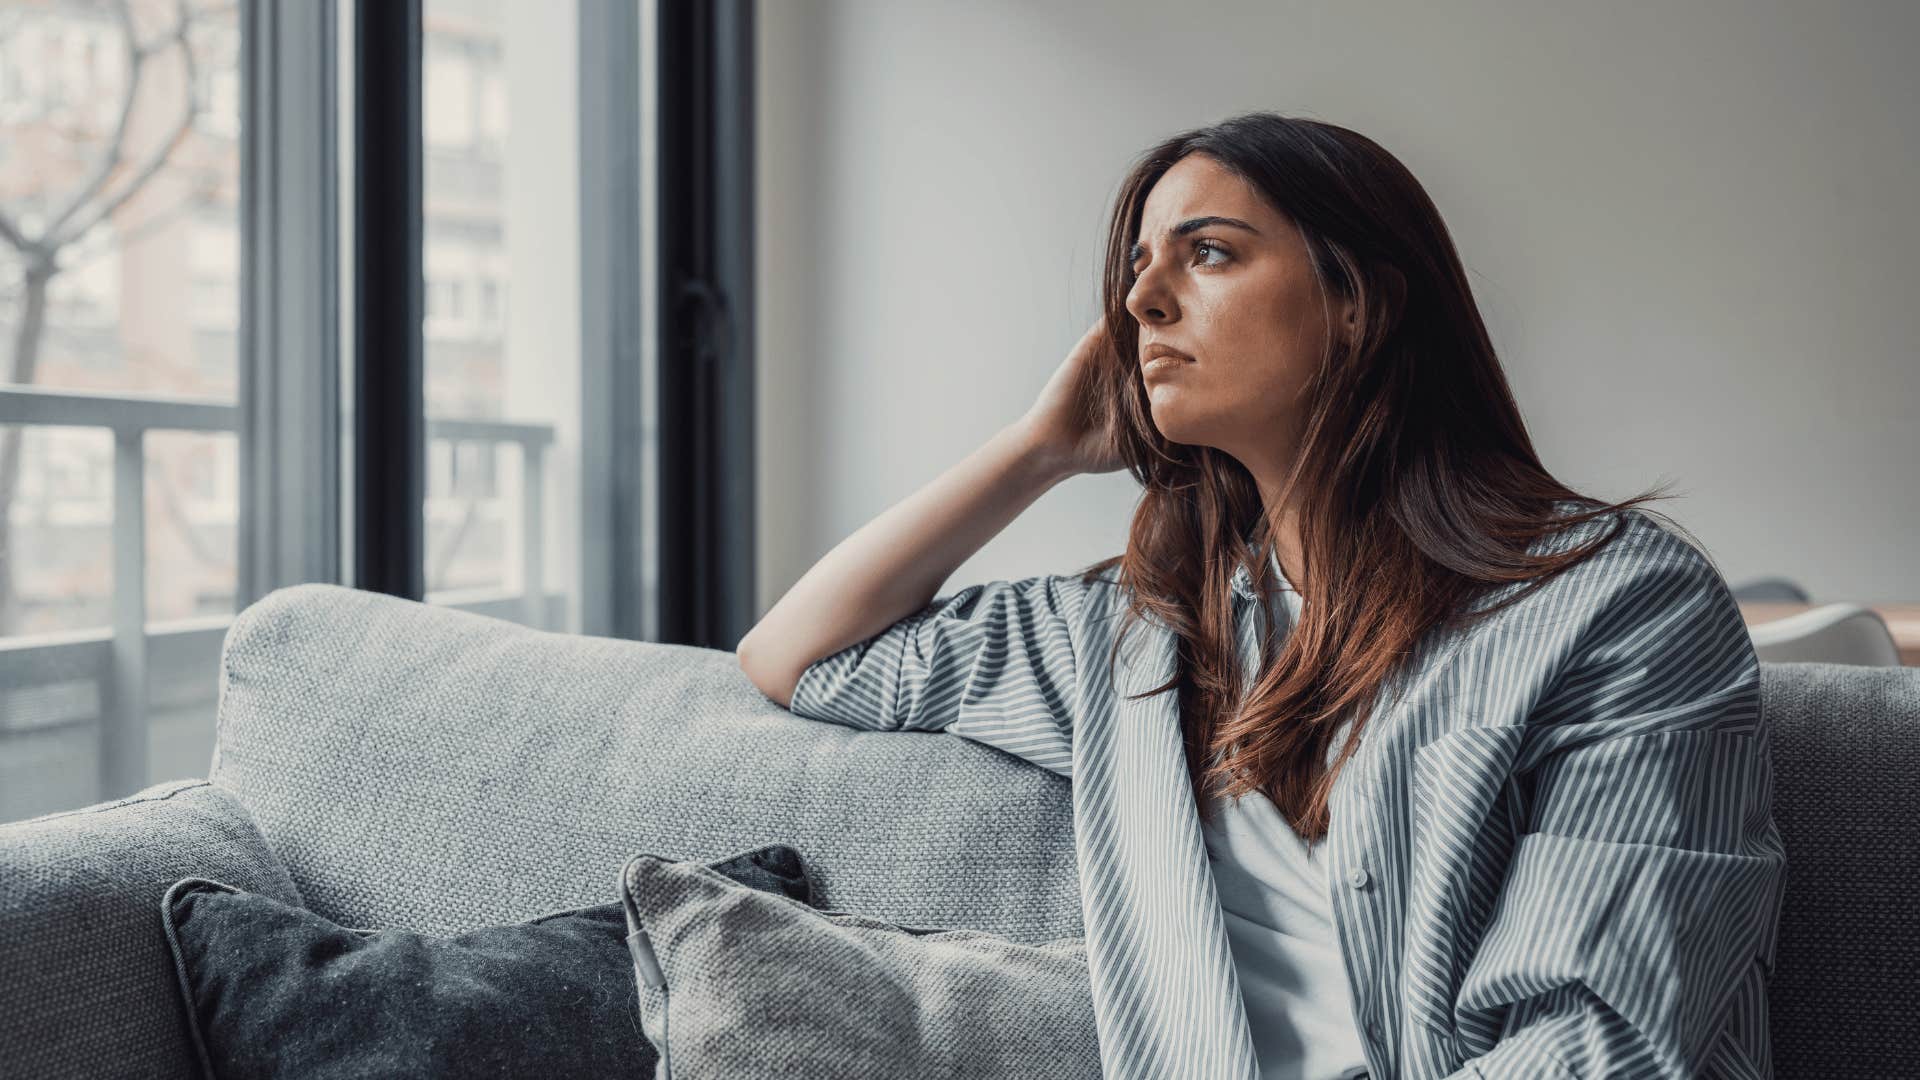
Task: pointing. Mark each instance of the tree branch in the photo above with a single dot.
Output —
(127, 238)
(117, 143)
(10, 232)
(160, 156)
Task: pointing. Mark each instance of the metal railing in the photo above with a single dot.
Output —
(117, 659)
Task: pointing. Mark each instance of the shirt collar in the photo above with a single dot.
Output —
(1243, 577)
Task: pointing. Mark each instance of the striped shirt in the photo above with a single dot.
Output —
(1555, 840)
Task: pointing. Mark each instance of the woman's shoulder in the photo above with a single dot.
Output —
(1095, 596)
(1632, 541)
(1101, 580)
(1638, 568)
(1647, 574)
(1033, 602)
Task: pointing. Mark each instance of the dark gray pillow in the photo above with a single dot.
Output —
(272, 989)
(734, 982)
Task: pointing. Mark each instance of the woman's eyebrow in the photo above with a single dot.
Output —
(1192, 225)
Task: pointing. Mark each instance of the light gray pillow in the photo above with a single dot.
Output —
(738, 982)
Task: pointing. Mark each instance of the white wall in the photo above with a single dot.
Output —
(1690, 227)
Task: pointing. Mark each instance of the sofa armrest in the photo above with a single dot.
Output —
(89, 987)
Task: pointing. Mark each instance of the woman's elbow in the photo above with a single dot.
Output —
(771, 679)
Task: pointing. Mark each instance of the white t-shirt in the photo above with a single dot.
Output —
(1274, 897)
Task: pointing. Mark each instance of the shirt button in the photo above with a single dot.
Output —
(1357, 877)
(1373, 1030)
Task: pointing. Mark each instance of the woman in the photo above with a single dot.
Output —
(1391, 755)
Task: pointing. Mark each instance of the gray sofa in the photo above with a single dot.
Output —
(391, 764)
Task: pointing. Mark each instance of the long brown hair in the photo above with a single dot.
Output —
(1416, 488)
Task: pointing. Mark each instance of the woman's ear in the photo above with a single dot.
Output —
(1394, 292)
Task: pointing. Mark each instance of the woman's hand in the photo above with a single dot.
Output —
(1073, 426)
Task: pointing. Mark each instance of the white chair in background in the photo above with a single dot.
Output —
(1830, 633)
(1771, 589)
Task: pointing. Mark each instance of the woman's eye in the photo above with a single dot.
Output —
(1208, 246)
(1203, 245)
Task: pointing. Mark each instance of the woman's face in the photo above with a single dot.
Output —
(1223, 277)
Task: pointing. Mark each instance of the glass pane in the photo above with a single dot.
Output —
(499, 90)
(119, 278)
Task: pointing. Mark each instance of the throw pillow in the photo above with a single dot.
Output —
(734, 982)
(272, 989)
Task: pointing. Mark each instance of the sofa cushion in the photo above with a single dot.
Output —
(88, 987)
(405, 759)
(734, 982)
(274, 990)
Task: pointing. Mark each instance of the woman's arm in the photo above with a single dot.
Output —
(892, 566)
(1643, 895)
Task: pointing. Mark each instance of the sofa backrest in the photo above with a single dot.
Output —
(1846, 762)
(430, 769)
(435, 770)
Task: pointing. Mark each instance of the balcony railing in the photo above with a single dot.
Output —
(117, 660)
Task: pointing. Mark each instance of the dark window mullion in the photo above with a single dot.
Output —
(389, 287)
(705, 403)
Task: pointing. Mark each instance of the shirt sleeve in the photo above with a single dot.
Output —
(1644, 890)
(994, 662)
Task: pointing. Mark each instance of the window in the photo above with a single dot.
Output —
(170, 327)
(131, 297)
(499, 89)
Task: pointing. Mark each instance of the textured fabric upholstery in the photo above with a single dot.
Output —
(88, 984)
(1846, 746)
(435, 770)
(734, 982)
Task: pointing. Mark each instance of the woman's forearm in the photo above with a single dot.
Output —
(894, 565)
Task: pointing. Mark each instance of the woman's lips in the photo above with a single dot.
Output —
(1162, 364)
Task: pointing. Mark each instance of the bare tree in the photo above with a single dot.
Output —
(104, 188)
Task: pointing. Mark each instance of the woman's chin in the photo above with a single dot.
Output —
(1174, 425)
